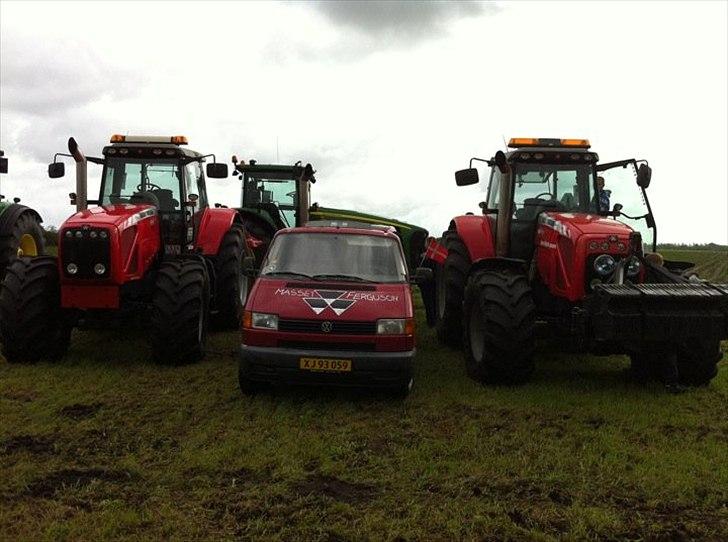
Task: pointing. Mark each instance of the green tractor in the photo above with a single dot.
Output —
(20, 230)
(278, 196)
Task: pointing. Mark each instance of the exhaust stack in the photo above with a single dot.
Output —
(81, 175)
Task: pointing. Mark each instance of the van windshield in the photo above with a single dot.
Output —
(330, 256)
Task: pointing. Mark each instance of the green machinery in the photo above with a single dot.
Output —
(20, 230)
(278, 196)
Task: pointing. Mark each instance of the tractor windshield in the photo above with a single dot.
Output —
(566, 187)
(330, 256)
(142, 181)
(272, 192)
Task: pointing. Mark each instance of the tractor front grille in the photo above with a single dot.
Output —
(85, 247)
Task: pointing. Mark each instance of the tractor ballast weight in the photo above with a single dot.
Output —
(562, 259)
(149, 248)
(276, 196)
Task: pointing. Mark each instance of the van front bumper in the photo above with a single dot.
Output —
(384, 370)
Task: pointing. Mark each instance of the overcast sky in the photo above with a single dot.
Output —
(385, 99)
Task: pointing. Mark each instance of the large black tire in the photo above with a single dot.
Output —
(697, 362)
(232, 283)
(32, 326)
(500, 318)
(647, 366)
(451, 279)
(12, 239)
(180, 312)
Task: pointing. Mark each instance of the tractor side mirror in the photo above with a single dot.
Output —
(422, 275)
(644, 175)
(617, 209)
(3, 164)
(217, 171)
(56, 170)
(466, 177)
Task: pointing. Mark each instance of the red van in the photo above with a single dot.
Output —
(332, 305)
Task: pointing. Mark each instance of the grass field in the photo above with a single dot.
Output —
(708, 264)
(107, 445)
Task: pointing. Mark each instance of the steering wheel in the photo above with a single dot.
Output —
(544, 194)
(150, 186)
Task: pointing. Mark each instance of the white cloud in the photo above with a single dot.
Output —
(388, 128)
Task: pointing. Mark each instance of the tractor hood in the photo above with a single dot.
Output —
(587, 223)
(121, 216)
(330, 300)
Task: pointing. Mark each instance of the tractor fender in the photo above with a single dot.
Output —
(214, 224)
(478, 235)
(10, 215)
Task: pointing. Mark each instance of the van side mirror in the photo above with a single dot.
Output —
(56, 170)
(644, 175)
(422, 275)
(466, 177)
(217, 171)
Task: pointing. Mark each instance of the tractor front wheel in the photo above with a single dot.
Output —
(231, 288)
(180, 310)
(31, 321)
(500, 318)
(451, 279)
(697, 362)
(23, 237)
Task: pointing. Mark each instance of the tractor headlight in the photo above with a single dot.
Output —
(93, 234)
(264, 321)
(605, 265)
(103, 234)
(69, 233)
(99, 269)
(395, 326)
(79, 234)
(634, 266)
(72, 268)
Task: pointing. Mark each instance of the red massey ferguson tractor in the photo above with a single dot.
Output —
(558, 249)
(151, 247)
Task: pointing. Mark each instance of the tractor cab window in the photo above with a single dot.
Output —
(560, 187)
(272, 193)
(156, 182)
(195, 182)
(618, 186)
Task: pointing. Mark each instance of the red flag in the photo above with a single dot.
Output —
(435, 251)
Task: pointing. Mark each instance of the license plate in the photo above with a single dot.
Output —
(325, 364)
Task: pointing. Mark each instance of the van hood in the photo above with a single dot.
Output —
(331, 300)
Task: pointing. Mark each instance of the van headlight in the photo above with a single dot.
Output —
(395, 326)
(605, 265)
(264, 321)
(634, 266)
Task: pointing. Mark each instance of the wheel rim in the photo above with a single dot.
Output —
(27, 246)
(476, 334)
(243, 289)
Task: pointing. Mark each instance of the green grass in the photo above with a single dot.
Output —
(107, 445)
(712, 265)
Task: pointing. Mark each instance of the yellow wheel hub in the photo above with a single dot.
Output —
(27, 246)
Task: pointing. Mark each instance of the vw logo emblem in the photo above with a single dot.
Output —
(326, 327)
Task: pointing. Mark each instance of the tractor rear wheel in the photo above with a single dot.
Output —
(451, 279)
(23, 237)
(180, 311)
(31, 321)
(500, 318)
(697, 362)
(231, 285)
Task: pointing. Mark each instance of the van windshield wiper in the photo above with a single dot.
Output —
(286, 273)
(341, 277)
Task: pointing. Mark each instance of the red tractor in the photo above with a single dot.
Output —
(558, 249)
(151, 247)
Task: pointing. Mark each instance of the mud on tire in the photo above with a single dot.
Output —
(452, 277)
(32, 326)
(231, 285)
(500, 320)
(180, 311)
(10, 238)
